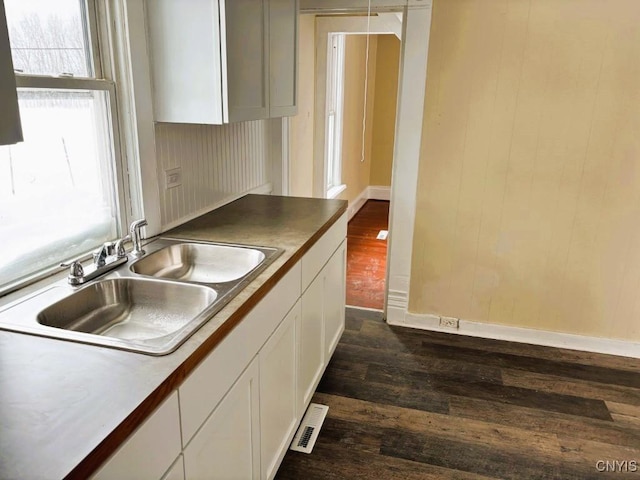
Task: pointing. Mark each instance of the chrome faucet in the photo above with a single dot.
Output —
(109, 256)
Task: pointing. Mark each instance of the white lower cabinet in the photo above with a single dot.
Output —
(228, 444)
(278, 401)
(334, 298)
(321, 323)
(311, 361)
(235, 415)
(151, 450)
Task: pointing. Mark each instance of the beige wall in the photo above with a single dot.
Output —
(528, 209)
(384, 110)
(355, 174)
(301, 173)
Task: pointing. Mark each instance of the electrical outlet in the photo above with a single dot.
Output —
(449, 322)
(173, 177)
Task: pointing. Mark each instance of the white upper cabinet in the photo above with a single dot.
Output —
(217, 61)
(10, 129)
(283, 58)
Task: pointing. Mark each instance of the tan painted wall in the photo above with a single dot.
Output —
(384, 110)
(355, 174)
(301, 173)
(528, 210)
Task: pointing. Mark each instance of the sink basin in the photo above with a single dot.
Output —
(200, 263)
(128, 308)
(151, 306)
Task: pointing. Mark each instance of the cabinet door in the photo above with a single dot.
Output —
(278, 399)
(334, 299)
(151, 450)
(228, 444)
(283, 58)
(247, 60)
(311, 345)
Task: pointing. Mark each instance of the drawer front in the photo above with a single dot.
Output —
(319, 254)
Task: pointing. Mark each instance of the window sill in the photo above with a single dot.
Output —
(333, 192)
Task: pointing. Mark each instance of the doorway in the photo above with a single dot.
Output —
(306, 176)
(352, 134)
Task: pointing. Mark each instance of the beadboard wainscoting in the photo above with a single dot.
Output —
(219, 163)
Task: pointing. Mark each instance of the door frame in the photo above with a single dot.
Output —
(416, 27)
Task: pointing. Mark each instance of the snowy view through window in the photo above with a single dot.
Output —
(57, 195)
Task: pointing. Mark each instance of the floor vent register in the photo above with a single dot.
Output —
(309, 429)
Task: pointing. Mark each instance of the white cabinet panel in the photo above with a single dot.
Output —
(228, 445)
(321, 324)
(247, 52)
(319, 254)
(150, 450)
(283, 60)
(334, 299)
(311, 346)
(186, 64)
(278, 400)
(210, 61)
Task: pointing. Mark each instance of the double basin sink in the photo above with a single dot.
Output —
(150, 305)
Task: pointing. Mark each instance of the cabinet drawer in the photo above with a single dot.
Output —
(210, 381)
(319, 254)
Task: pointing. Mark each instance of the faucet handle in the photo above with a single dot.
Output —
(75, 270)
(119, 246)
(100, 256)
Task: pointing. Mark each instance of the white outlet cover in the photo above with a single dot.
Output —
(173, 177)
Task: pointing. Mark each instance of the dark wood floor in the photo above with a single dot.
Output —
(408, 404)
(367, 256)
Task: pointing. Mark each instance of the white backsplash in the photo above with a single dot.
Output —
(218, 163)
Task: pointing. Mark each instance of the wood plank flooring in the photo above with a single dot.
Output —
(367, 256)
(410, 404)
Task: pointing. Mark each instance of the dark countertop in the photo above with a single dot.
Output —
(66, 407)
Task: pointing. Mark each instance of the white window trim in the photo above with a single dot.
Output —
(125, 60)
(333, 192)
(99, 29)
(335, 106)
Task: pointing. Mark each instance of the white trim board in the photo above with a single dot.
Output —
(521, 335)
(372, 192)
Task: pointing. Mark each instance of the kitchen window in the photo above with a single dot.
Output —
(62, 190)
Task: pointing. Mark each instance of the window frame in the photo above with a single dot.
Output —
(93, 29)
(334, 114)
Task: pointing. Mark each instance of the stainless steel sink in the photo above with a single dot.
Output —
(150, 306)
(129, 308)
(200, 263)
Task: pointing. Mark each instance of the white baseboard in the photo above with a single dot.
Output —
(372, 192)
(517, 334)
(378, 192)
(357, 203)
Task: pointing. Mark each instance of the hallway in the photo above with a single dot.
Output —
(367, 256)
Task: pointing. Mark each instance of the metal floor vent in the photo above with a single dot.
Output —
(309, 429)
